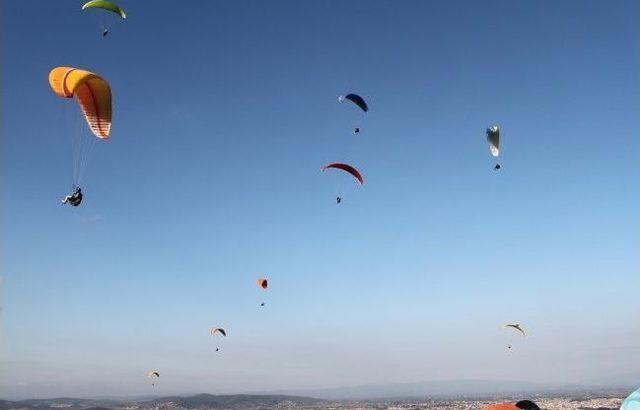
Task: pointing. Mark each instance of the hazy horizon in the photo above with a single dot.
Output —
(224, 112)
(426, 389)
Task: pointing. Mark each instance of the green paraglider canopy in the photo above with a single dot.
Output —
(106, 5)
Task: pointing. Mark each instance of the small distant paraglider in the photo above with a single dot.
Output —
(153, 375)
(263, 284)
(215, 330)
(516, 327)
(632, 402)
(346, 168)
(493, 139)
(107, 6)
(358, 101)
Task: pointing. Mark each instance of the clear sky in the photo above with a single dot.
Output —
(224, 112)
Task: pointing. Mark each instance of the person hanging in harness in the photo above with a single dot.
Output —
(105, 32)
(74, 198)
(338, 199)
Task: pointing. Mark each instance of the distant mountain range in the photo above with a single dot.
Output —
(326, 398)
(200, 401)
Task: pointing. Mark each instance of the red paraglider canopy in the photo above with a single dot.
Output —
(347, 168)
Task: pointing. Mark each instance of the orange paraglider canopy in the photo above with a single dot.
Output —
(92, 93)
(501, 406)
(262, 282)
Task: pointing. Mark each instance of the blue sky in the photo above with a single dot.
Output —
(224, 113)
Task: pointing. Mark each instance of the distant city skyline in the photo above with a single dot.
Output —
(224, 113)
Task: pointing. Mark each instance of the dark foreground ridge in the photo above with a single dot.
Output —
(200, 401)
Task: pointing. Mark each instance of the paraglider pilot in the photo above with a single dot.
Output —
(74, 198)
(497, 167)
(105, 32)
(338, 200)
